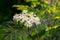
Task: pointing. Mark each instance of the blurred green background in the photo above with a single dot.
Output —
(47, 10)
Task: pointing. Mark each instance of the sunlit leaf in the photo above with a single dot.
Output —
(57, 17)
(20, 7)
(52, 27)
(48, 28)
(30, 0)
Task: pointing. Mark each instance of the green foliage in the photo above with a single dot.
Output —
(49, 29)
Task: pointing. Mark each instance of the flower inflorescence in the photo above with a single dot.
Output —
(29, 19)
